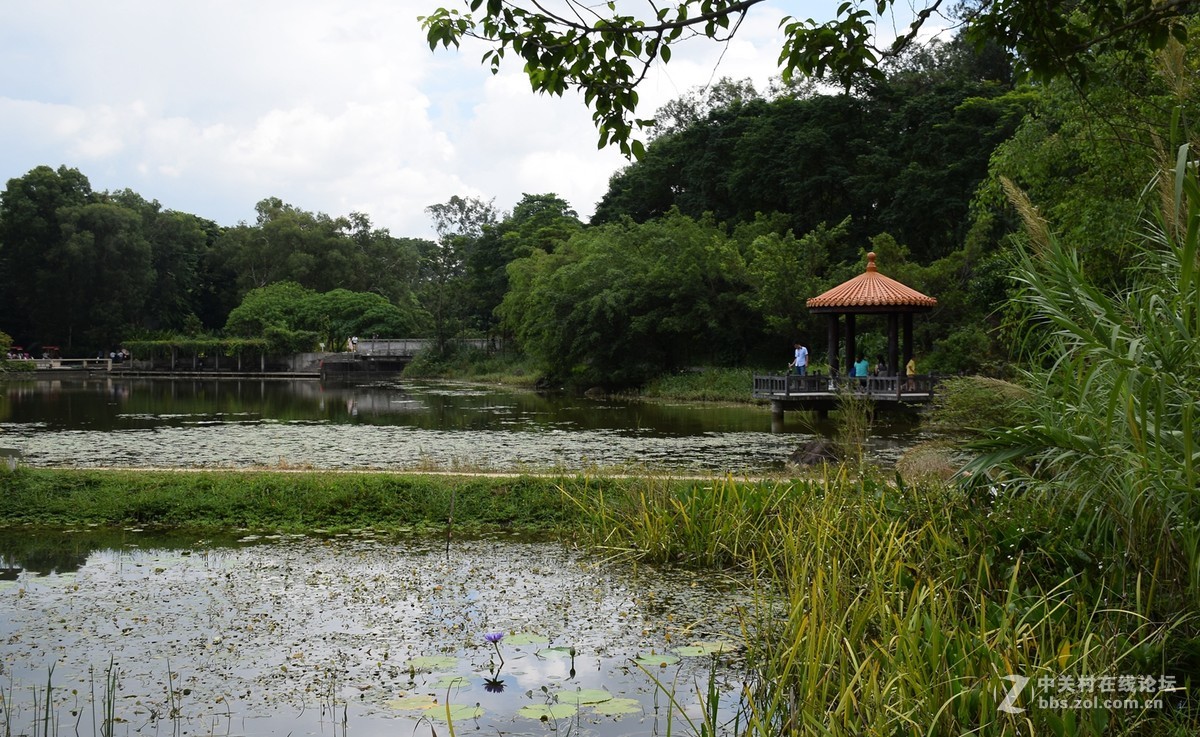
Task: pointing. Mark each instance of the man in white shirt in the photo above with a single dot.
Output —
(801, 360)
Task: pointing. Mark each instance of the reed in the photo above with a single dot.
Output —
(1114, 380)
(709, 384)
(720, 523)
(878, 624)
(885, 608)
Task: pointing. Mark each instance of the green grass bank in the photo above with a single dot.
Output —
(879, 607)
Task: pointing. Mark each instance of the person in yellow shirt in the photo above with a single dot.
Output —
(910, 369)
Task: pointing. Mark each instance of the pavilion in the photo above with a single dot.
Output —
(872, 293)
(869, 293)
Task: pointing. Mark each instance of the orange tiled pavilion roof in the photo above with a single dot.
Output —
(871, 291)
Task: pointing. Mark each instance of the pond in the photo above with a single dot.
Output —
(359, 634)
(395, 425)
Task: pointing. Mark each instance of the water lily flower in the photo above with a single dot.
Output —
(495, 638)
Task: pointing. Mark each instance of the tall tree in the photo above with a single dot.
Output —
(537, 222)
(30, 230)
(619, 303)
(460, 223)
(178, 245)
(103, 273)
(903, 156)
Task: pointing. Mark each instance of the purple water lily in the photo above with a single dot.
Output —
(495, 638)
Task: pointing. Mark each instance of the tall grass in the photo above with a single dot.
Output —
(894, 610)
(1115, 384)
(710, 384)
(891, 625)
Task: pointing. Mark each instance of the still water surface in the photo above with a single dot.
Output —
(358, 634)
(392, 425)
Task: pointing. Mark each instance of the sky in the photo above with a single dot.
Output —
(333, 106)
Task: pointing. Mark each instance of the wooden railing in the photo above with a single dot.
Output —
(880, 387)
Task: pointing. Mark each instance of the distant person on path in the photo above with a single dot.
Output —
(800, 361)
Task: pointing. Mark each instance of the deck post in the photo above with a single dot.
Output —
(908, 341)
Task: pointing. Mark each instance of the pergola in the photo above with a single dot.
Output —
(872, 293)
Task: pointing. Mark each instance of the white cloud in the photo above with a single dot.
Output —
(210, 107)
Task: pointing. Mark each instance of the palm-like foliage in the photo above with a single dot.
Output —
(1116, 381)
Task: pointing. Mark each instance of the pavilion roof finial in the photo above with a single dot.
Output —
(871, 261)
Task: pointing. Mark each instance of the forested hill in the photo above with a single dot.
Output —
(903, 156)
(702, 252)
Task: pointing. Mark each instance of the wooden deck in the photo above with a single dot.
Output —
(821, 392)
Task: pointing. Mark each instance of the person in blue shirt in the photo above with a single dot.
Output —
(861, 367)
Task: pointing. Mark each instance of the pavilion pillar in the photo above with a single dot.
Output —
(850, 339)
(833, 342)
(908, 337)
(893, 348)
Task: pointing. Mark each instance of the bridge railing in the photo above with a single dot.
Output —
(43, 364)
(409, 347)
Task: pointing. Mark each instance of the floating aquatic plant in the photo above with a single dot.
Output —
(546, 712)
(583, 696)
(495, 638)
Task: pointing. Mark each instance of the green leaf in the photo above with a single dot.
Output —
(544, 712)
(583, 696)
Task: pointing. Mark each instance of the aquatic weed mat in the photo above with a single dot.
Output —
(287, 632)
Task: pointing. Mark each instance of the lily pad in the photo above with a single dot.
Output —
(525, 638)
(542, 712)
(445, 682)
(412, 702)
(617, 707)
(458, 712)
(431, 663)
(583, 696)
(556, 652)
(697, 649)
(661, 660)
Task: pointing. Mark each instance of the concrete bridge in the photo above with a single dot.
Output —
(382, 348)
(388, 355)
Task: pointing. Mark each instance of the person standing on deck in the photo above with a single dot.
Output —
(800, 361)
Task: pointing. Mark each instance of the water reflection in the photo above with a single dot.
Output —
(191, 422)
(275, 635)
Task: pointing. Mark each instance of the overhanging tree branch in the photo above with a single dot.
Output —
(606, 55)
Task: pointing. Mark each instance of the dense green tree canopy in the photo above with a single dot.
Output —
(32, 248)
(293, 318)
(904, 156)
